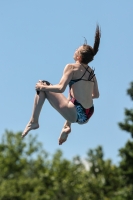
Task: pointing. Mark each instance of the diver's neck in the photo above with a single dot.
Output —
(85, 65)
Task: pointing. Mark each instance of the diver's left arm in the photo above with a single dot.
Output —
(61, 86)
(95, 93)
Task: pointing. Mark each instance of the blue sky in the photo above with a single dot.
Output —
(37, 40)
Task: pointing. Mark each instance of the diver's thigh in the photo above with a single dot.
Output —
(62, 105)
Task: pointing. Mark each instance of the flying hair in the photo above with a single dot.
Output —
(88, 52)
(85, 41)
(97, 40)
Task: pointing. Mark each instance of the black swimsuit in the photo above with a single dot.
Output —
(83, 114)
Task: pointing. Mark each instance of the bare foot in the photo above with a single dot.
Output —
(30, 126)
(64, 134)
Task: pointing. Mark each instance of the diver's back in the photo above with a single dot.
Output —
(82, 84)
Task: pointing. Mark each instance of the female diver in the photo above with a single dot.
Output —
(80, 77)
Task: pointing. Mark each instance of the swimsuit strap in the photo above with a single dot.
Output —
(76, 80)
(91, 74)
(84, 73)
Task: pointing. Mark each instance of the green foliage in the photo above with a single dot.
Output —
(127, 125)
(18, 169)
(103, 176)
(27, 173)
(126, 153)
(126, 163)
(130, 91)
(128, 122)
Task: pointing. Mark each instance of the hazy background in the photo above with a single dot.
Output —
(37, 40)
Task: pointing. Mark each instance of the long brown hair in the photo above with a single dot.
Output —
(88, 53)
